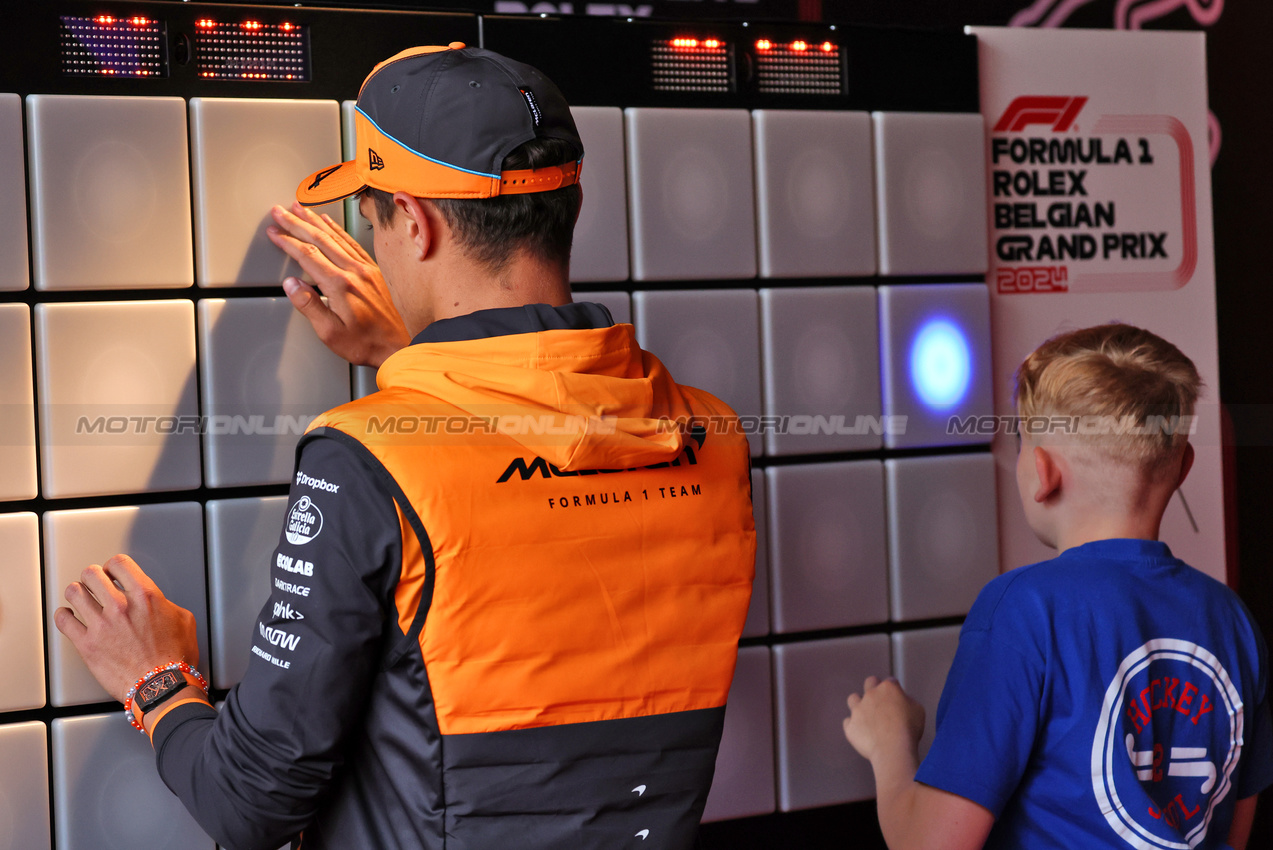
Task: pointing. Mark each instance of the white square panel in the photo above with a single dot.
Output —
(690, 194)
(600, 249)
(107, 794)
(24, 789)
(247, 155)
(266, 376)
(943, 533)
(110, 192)
(758, 613)
(242, 535)
(13, 197)
(821, 368)
(828, 567)
(21, 626)
(355, 224)
(17, 405)
(618, 303)
(744, 780)
(921, 662)
(118, 397)
(707, 338)
(166, 541)
(815, 193)
(930, 188)
(812, 682)
(935, 366)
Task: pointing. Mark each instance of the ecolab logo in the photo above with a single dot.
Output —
(1023, 112)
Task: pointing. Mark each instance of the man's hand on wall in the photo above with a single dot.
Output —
(358, 321)
(123, 625)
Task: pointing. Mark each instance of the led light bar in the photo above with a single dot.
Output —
(799, 67)
(107, 46)
(252, 50)
(690, 64)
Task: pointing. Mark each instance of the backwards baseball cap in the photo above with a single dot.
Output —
(437, 122)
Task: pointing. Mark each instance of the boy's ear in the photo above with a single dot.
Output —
(1186, 464)
(1048, 473)
(421, 226)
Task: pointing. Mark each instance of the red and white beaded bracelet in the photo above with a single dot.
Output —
(180, 666)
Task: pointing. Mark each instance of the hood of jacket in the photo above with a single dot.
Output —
(580, 399)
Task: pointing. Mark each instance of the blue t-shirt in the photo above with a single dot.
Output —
(1113, 696)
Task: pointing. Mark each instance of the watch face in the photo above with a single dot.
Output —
(159, 687)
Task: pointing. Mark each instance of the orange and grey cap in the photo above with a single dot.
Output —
(437, 122)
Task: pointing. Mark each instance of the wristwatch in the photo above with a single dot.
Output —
(159, 689)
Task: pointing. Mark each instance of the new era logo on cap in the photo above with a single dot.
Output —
(374, 161)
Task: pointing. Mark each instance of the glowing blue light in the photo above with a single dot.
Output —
(941, 364)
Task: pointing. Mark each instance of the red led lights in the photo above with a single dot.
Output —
(105, 20)
(695, 44)
(764, 45)
(205, 23)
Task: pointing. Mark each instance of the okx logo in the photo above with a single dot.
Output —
(1058, 112)
(1166, 746)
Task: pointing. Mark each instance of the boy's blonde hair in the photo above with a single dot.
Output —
(1119, 387)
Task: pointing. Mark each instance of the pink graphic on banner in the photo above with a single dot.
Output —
(1130, 15)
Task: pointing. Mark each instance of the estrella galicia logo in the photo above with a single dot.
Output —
(323, 175)
(374, 162)
(304, 521)
(1166, 746)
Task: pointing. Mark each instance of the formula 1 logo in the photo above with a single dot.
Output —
(1166, 746)
(1058, 112)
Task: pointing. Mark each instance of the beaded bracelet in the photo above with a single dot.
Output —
(140, 683)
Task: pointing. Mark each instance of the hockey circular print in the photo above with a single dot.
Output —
(304, 521)
(1166, 746)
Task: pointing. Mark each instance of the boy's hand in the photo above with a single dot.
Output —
(883, 719)
(359, 321)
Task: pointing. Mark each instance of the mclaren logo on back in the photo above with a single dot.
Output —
(1058, 112)
(538, 466)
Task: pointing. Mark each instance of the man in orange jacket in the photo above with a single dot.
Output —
(506, 601)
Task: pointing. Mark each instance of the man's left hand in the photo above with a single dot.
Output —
(123, 625)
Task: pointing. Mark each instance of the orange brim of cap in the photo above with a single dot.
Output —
(330, 184)
(385, 163)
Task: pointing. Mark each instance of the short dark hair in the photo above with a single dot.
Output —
(492, 230)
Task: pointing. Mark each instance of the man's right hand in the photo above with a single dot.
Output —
(359, 321)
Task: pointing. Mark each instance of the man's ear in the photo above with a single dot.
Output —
(1048, 473)
(422, 221)
(1186, 464)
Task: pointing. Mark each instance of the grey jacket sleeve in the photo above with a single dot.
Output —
(254, 774)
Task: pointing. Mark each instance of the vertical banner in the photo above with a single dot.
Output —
(1099, 197)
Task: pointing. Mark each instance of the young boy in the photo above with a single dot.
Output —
(1112, 696)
